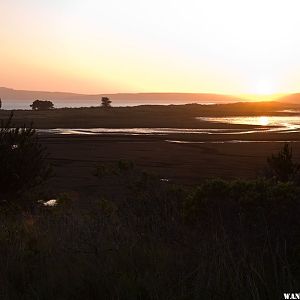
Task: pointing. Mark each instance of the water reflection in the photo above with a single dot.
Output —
(280, 124)
(273, 123)
(132, 131)
(229, 141)
(264, 121)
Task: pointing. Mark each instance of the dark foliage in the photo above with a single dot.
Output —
(23, 163)
(42, 105)
(105, 102)
(146, 239)
(281, 166)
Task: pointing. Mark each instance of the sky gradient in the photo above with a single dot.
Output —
(95, 46)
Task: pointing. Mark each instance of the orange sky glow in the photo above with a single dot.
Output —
(94, 46)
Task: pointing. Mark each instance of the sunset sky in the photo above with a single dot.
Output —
(95, 46)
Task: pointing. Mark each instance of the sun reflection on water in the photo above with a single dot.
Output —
(286, 122)
(263, 121)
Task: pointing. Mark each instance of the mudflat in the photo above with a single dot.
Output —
(75, 158)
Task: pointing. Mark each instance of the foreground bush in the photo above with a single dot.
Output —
(147, 239)
(23, 163)
(281, 166)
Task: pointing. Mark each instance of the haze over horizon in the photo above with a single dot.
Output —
(223, 47)
(13, 98)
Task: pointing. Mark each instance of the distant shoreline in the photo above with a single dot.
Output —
(87, 104)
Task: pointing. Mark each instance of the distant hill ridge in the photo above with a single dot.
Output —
(24, 95)
(147, 98)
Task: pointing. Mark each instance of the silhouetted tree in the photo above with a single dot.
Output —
(23, 162)
(0, 103)
(105, 102)
(42, 105)
(281, 166)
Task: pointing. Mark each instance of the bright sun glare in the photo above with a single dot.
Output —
(263, 121)
(264, 88)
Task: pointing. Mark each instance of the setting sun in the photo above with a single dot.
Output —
(264, 88)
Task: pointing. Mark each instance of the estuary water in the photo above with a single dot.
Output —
(287, 124)
(279, 124)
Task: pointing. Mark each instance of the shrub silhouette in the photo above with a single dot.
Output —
(281, 166)
(22, 159)
(42, 105)
(105, 102)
